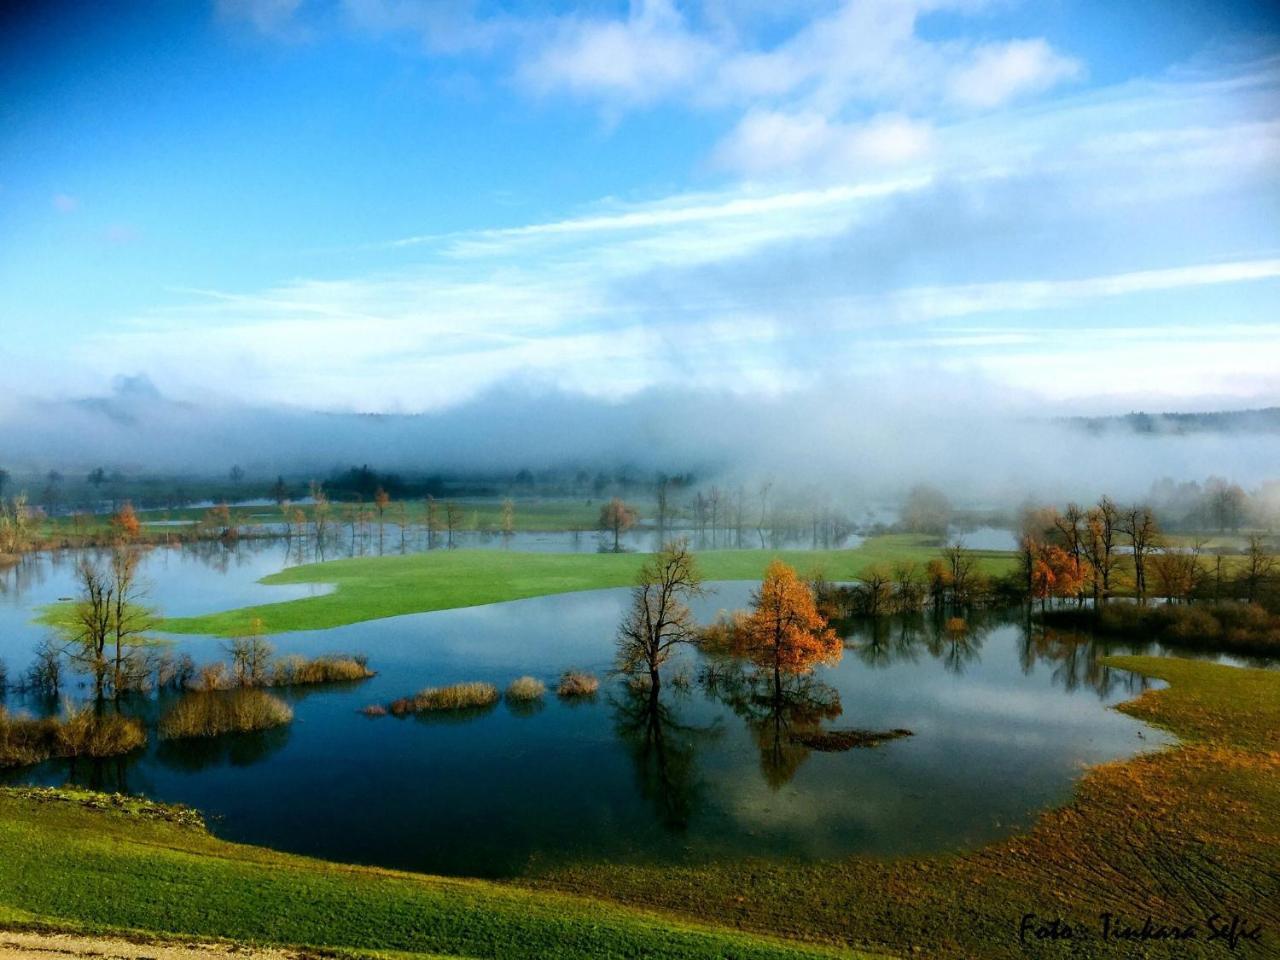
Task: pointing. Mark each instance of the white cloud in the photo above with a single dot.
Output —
(643, 58)
(770, 142)
(999, 72)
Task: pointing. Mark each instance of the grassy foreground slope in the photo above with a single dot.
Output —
(1177, 836)
(369, 588)
(69, 859)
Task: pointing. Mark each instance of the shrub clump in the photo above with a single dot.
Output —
(457, 696)
(374, 710)
(79, 733)
(1228, 625)
(290, 671)
(205, 714)
(336, 668)
(525, 689)
(574, 684)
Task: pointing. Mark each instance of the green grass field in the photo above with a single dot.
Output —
(103, 870)
(369, 588)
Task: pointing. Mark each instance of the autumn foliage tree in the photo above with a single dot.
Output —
(1054, 573)
(618, 518)
(785, 633)
(124, 522)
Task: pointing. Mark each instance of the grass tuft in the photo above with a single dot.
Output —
(574, 684)
(205, 714)
(457, 696)
(524, 689)
(80, 732)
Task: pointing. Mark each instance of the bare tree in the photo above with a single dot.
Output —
(1099, 543)
(659, 618)
(1138, 523)
(108, 623)
(452, 519)
(1258, 568)
(251, 656)
(765, 488)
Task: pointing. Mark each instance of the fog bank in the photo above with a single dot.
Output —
(854, 438)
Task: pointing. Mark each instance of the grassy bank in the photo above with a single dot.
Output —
(1176, 835)
(71, 859)
(369, 588)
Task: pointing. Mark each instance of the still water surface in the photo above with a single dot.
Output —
(1003, 722)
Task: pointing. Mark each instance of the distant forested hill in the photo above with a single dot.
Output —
(1266, 420)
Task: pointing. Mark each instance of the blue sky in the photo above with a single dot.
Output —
(399, 204)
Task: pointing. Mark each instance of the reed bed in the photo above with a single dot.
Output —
(79, 732)
(525, 689)
(291, 671)
(457, 696)
(213, 714)
(574, 684)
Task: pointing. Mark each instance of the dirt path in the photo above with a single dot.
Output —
(26, 945)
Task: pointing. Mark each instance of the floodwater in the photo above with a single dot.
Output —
(1003, 720)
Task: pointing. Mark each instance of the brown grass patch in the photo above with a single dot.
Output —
(524, 689)
(78, 733)
(574, 684)
(215, 714)
(457, 696)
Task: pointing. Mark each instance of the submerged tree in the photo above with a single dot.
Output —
(107, 625)
(125, 524)
(785, 633)
(659, 618)
(618, 518)
(508, 517)
(1138, 523)
(251, 655)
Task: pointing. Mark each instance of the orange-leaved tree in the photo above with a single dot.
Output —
(785, 632)
(125, 523)
(617, 517)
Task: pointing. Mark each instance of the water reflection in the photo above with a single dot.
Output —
(1074, 659)
(778, 710)
(664, 751)
(236, 750)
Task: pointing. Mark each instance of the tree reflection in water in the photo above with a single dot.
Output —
(1074, 659)
(775, 710)
(664, 751)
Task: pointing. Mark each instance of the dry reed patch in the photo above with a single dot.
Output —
(524, 689)
(457, 696)
(80, 732)
(215, 714)
(574, 684)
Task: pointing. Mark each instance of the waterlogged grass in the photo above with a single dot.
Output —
(369, 588)
(104, 869)
(525, 689)
(457, 696)
(1177, 835)
(575, 684)
(79, 732)
(214, 714)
